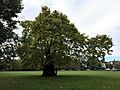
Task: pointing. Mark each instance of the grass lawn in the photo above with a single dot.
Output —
(66, 80)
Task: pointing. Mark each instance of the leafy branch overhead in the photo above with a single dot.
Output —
(9, 10)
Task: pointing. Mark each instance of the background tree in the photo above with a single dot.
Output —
(8, 12)
(116, 65)
(97, 48)
(50, 41)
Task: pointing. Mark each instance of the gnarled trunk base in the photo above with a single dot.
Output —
(49, 70)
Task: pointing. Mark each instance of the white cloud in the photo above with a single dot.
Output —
(31, 9)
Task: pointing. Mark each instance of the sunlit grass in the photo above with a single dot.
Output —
(66, 80)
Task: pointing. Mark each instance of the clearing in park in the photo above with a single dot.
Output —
(66, 80)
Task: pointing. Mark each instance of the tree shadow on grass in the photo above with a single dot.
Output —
(67, 77)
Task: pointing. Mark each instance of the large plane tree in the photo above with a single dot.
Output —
(50, 42)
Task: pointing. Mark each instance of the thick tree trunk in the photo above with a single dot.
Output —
(49, 70)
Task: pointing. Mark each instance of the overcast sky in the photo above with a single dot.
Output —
(89, 16)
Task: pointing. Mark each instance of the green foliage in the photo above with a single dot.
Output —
(97, 48)
(50, 38)
(8, 13)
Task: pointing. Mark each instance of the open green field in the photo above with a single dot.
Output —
(66, 80)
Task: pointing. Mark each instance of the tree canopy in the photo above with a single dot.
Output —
(9, 10)
(52, 41)
(97, 48)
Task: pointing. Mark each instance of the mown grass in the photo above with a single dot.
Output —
(66, 80)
